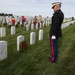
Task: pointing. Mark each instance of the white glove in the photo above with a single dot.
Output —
(53, 37)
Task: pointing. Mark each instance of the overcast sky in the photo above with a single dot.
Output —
(36, 7)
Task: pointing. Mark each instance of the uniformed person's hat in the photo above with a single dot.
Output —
(56, 3)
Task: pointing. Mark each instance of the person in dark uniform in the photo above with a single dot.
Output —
(55, 30)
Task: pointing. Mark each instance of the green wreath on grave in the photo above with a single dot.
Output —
(23, 46)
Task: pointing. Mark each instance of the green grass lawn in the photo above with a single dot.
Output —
(34, 60)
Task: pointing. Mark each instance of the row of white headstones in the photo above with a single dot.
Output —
(3, 31)
(32, 38)
(3, 44)
(13, 29)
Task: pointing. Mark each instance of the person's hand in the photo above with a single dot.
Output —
(53, 37)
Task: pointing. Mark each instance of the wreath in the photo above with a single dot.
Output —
(23, 46)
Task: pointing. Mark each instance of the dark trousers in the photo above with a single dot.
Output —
(54, 49)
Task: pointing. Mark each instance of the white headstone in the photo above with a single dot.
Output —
(19, 40)
(2, 32)
(9, 23)
(40, 25)
(13, 30)
(3, 21)
(43, 24)
(40, 34)
(32, 27)
(25, 24)
(62, 26)
(20, 23)
(8, 20)
(3, 50)
(32, 21)
(46, 24)
(15, 23)
(27, 27)
(32, 37)
(36, 25)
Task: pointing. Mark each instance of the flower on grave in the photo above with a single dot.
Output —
(23, 46)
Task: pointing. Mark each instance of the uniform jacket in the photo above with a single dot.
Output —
(57, 20)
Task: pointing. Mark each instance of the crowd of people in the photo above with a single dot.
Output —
(12, 20)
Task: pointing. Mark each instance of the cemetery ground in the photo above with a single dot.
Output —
(34, 60)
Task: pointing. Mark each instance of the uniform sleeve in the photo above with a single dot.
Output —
(56, 24)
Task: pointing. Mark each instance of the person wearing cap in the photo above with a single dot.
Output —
(55, 30)
(13, 20)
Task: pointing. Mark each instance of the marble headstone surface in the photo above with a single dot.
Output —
(19, 40)
(43, 24)
(40, 25)
(3, 21)
(40, 34)
(2, 32)
(27, 27)
(13, 30)
(46, 24)
(20, 23)
(32, 38)
(32, 27)
(36, 25)
(3, 50)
